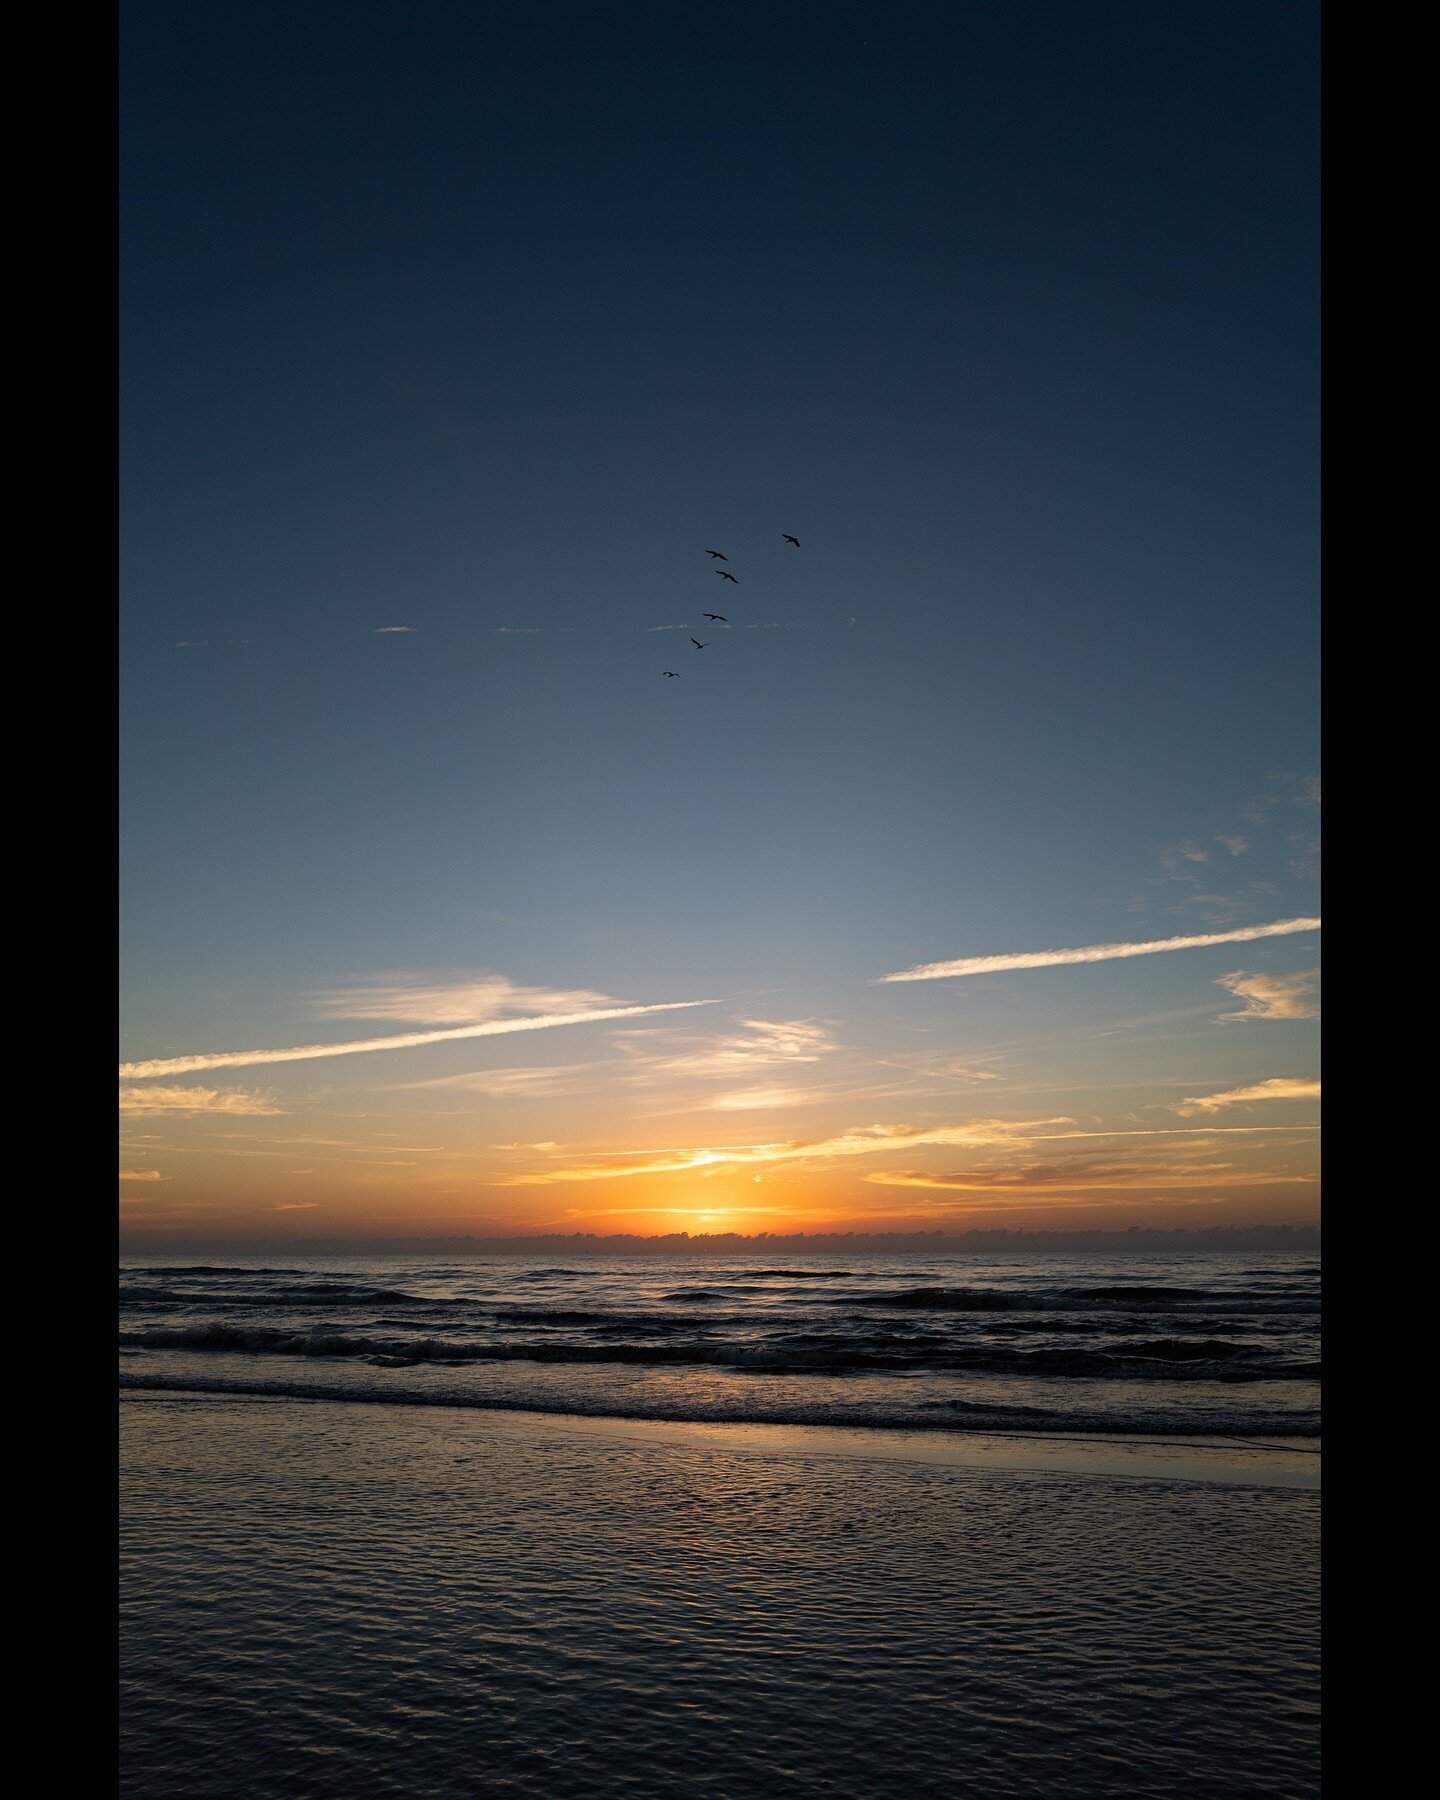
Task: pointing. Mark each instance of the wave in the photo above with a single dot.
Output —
(1167, 1358)
(551, 1315)
(1093, 1299)
(952, 1300)
(314, 1293)
(1133, 1291)
(804, 1274)
(946, 1416)
(207, 1269)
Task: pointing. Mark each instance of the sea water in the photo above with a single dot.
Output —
(756, 1547)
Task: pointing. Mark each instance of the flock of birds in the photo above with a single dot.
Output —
(719, 618)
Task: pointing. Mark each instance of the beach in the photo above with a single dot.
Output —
(326, 1598)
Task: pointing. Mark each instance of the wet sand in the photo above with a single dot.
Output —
(328, 1599)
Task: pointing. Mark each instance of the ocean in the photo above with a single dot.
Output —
(659, 1526)
(1191, 1346)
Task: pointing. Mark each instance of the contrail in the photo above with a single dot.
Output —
(407, 1040)
(1053, 959)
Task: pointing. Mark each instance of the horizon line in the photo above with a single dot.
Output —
(928, 1235)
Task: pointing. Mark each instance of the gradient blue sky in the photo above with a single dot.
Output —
(487, 323)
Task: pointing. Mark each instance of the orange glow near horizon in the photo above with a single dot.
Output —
(736, 1124)
(444, 1203)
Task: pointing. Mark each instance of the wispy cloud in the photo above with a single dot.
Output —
(758, 1042)
(142, 1175)
(656, 1056)
(1281, 1087)
(386, 630)
(667, 627)
(1178, 854)
(1274, 996)
(457, 999)
(408, 1040)
(863, 1141)
(538, 1082)
(752, 1099)
(565, 1163)
(311, 1143)
(1167, 1157)
(1082, 1176)
(1286, 790)
(939, 1065)
(1053, 959)
(765, 1041)
(147, 1101)
(518, 630)
(1237, 846)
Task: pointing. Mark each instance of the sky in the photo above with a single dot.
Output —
(968, 877)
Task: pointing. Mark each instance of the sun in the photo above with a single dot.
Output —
(711, 1218)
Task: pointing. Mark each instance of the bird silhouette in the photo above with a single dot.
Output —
(725, 575)
(674, 674)
(715, 619)
(720, 553)
(790, 540)
(698, 645)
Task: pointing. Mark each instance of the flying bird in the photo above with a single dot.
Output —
(720, 553)
(715, 619)
(674, 674)
(790, 540)
(725, 575)
(698, 645)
